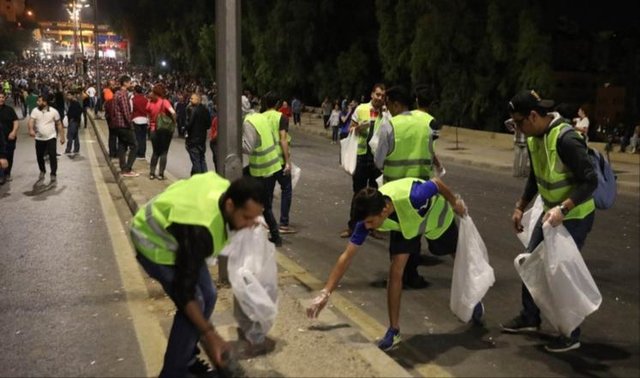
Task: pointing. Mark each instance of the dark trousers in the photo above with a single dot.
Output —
(197, 156)
(184, 336)
(73, 139)
(113, 143)
(296, 118)
(364, 176)
(127, 148)
(213, 145)
(10, 149)
(325, 121)
(141, 138)
(47, 147)
(578, 229)
(160, 142)
(268, 184)
(285, 197)
(334, 133)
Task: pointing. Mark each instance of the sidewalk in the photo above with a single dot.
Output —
(493, 150)
(329, 347)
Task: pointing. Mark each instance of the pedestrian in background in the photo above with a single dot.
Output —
(334, 123)
(160, 139)
(561, 172)
(123, 128)
(285, 110)
(44, 125)
(140, 121)
(296, 108)
(197, 126)
(9, 127)
(326, 109)
(74, 117)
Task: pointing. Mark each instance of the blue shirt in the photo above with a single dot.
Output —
(420, 195)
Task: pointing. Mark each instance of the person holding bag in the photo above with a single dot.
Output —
(563, 175)
(162, 121)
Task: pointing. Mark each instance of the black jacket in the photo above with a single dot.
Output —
(197, 126)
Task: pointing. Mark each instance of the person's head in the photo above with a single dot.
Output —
(158, 91)
(530, 112)
(377, 95)
(125, 82)
(285, 104)
(397, 99)
(372, 207)
(336, 106)
(195, 99)
(270, 100)
(138, 89)
(242, 203)
(42, 102)
(581, 112)
(425, 96)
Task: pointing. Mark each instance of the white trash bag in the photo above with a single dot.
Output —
(253, 275)
(295, 177)
(529, 219)
(559, 281)
(349, 152)
(472, 274)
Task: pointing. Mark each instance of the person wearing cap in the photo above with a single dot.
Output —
(562, 174)
(403, 207)
(173, 234)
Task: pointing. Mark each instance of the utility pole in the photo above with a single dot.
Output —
(95, 49)
(228, 53)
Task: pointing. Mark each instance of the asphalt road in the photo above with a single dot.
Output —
(62, 308)
(610, 342)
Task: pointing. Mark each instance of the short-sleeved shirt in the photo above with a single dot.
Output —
(7, 117)
(45, 122)
(421, 193)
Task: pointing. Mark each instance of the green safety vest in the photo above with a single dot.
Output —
(433, 224)
(264, 160)
(274, 117)
(413, 147)
(555, 182)
(364, 115)
(194, 201)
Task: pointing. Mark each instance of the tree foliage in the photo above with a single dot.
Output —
(477, 53)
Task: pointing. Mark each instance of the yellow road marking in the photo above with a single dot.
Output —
(150, 335)
(371, 328)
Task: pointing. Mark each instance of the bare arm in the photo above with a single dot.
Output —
(456, 203)
(14, 131)
(31, 126)
(341, 266)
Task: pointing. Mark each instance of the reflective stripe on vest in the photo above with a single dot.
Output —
(555, 183)
(191, 202)
(439, 217)
(264, 161)
(274, 116)
(411, 155)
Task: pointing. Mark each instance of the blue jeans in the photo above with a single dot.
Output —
(196, 154)
(285, 197)
(141, 138)
(578, 229)
(73, 140)
(184, 336)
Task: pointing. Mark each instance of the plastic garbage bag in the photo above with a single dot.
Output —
(472, 274)
(374, 141)
(529, 220)
(349, 152)
(253, 275)
(295, 177)
(559, 281)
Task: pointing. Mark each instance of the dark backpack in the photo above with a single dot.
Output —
(605, 194)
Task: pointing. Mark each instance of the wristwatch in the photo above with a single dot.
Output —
(563, 209)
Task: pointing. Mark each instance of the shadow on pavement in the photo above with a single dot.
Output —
(42, 191)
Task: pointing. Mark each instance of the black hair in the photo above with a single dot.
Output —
(244, 189)
(124, 79)
(138, 89)
(399, 94)
(425, 95)
(270, 100)
(568, 111)
(378, 85)
(368, 202)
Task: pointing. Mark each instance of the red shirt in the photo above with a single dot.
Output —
(155, 108)
(286, 111)
(213, 131)
(139, 105)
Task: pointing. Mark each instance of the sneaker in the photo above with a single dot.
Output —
(478, 312)
(54, 178)
(390, 339)
(8, 178)
(287, 230)
(3, 180)
(160, 177)
(562, 344)
(346, 233)
(518, 325)
(130, 174)
(140, 158)
(152, 176)
(41, 176)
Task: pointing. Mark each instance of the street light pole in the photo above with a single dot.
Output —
(95, 47)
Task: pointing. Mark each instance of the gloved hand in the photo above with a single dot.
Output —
(318, 303)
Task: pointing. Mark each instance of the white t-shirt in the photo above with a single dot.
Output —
(91, 91)
(45, 122)
(583, 125)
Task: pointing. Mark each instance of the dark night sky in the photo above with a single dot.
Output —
(596, 15)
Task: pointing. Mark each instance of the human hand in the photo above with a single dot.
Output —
(216, 348)
(12, 135)
(287, 169)
(32, 133)
(516, 218)
(318, 303)
(62, 140)
(4, 163)
(554, 216)
(460, 208)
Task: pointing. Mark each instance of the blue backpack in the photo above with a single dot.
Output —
(605, 194)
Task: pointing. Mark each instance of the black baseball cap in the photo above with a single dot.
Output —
(526, 101)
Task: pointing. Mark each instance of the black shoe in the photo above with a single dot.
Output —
(476, 316)
(276, 241)
(3, 180)
(519, 325)
(562, 344)
(415, 283)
